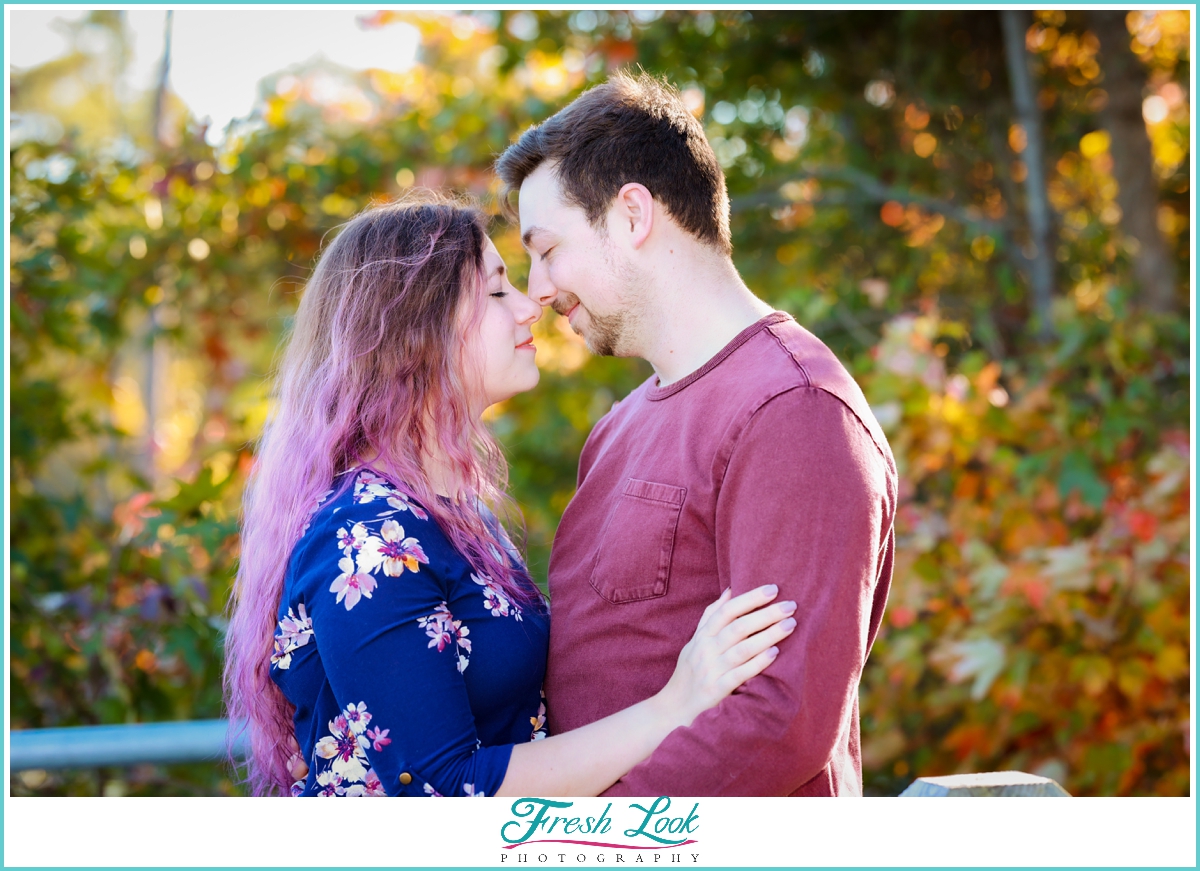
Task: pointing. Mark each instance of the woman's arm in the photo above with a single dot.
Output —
(733, 643)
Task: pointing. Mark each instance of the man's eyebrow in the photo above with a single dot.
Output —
(528, 235)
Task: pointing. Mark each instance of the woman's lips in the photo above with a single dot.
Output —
(527, 344)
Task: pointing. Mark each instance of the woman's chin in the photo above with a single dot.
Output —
(525, 386)
(530, 380)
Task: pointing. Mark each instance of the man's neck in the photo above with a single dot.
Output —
(697, 311)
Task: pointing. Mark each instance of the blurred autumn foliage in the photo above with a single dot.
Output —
(1039, 618)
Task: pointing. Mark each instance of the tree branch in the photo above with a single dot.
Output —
(870, 189)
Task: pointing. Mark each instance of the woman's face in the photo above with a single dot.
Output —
(502, 347)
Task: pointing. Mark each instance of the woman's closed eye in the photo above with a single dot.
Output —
(497, 282)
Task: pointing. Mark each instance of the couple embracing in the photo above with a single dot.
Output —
(717, 580)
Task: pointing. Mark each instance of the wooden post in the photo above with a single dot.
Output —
(991, 783)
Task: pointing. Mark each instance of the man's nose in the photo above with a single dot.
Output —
(541, 289)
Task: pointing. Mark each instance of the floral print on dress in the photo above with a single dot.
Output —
(539, 722)
(392, 550)
(495, 600)
(379, 738)
(313, 510)
(368, 569)
(442, 629)
(364, 553)
(371, 787)
(351, 540)
(400, 502)
(352, 585)
(295, 631)
(369, 486)
(347, 771)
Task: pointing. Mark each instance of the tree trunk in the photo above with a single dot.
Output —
(1037, 204)
(1133, 162)
(155, 371)
(164, 72)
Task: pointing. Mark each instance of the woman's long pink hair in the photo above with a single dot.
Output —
(374, 371)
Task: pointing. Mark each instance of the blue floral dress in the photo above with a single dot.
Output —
(411, 673)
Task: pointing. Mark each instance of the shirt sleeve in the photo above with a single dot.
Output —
(806, 502)
(394, 656)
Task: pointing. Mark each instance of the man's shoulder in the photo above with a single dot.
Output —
(780, 357)
(783, 356)
(812, 363)
(775, 356)
(806, 362)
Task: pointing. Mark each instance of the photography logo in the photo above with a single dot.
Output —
(538, 821)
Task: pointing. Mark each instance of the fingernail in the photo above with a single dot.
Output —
(774, 652)
(788, 607)
(789, 623)
(770, 590)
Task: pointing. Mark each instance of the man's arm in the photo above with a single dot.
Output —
(807, 503)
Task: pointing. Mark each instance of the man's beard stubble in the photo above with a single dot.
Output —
(610, 335)
(605, 333)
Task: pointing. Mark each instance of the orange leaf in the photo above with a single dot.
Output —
(1142, 524)
(967, 739)
(892, 214)
(146, 661)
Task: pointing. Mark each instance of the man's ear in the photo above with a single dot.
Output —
(633, 212)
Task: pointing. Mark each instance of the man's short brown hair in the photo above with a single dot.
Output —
(629, 129)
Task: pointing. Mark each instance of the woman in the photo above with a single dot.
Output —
(382, 620)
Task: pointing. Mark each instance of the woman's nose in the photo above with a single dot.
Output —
(528, 311)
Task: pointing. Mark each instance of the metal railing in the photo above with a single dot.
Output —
(206, 741)
(117, 746)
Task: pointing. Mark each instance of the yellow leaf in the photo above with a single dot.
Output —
(1094, 144)
(1171, 662)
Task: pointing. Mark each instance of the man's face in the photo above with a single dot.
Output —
(577, 270)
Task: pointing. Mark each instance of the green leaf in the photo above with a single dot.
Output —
(1078, 473)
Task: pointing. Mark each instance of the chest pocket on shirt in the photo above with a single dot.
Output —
(634, 558)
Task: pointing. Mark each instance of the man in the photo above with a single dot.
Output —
(751, 457)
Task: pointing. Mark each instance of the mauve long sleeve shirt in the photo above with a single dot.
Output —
(766, 465)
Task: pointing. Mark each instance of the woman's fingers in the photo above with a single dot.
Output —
(297, 767)
(721, 600)
(755, 666)
(724, 614)
(737, 638)
(754, 622)
(750, 648)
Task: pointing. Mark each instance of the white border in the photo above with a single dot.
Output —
(760, 832)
